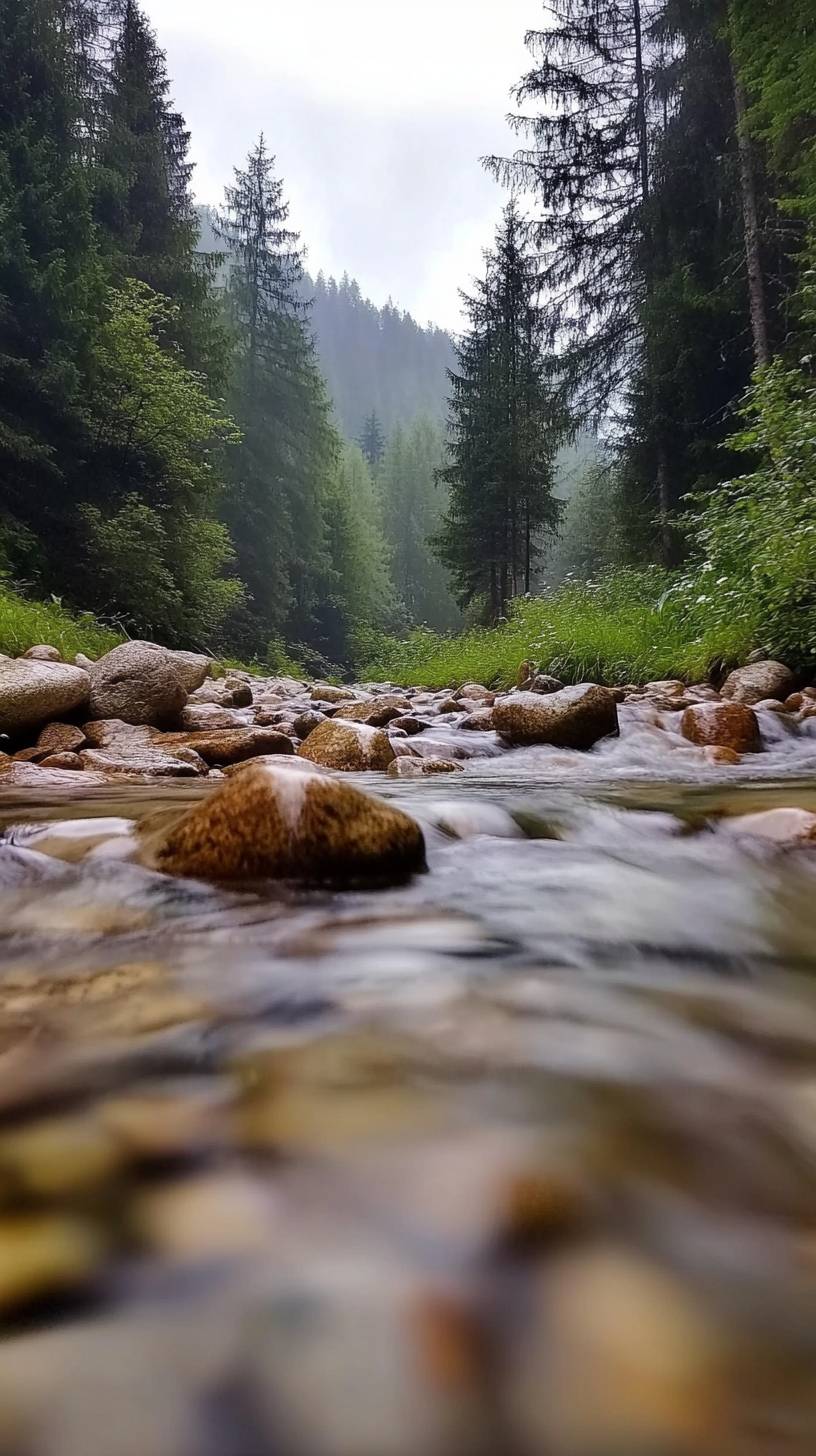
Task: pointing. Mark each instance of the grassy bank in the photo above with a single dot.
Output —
(25, 623)
(627, 628)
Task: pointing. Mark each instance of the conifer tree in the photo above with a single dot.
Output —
(505, 429)
(372, 440)
(275, 509)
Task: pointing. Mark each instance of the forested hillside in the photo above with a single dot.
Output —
(169, 455)
(659, 289)
(374, 359)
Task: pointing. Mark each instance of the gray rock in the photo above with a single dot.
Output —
(759, 680)
(575, 717)
(138, 683)
(192, 668)
(42, 653)
(32, 692)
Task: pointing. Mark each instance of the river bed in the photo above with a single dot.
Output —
(517, 1157)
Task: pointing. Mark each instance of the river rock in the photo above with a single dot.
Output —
(305, 723)
(376, 713)
(63, 760)
(476, 691)
(780, 826)
(273, 822)
(420, 768)
(138, 683)
(324, 693)
(45, 1254)
(32, 692)
(481, 720)
(61, 738)
(759, 680)
(145, 761)
(112, 732)
(203, 717)
(34, 776)
(353, 747)
(409, 724)
(192, 668)
(228, 745)
(575, 717)
(722, 725)
(42, 653)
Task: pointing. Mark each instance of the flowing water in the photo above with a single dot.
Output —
(519, 1157)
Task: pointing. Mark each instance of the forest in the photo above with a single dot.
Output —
(203, 444)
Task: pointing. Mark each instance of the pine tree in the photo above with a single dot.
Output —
(505, 429)
(372, 440)
(414, 503)
(144, 207)
(50, 282)
(275, 509)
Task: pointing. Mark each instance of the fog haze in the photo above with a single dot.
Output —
(378, 113)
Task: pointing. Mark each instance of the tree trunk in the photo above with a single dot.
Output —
(750, 213)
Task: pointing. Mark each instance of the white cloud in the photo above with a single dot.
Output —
(378, 112)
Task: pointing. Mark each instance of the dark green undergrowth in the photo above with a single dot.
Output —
(632, 626)
(25, 623)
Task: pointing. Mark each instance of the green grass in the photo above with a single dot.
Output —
(623, 629)
(25, 623)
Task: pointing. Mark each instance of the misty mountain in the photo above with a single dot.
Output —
(374, 358)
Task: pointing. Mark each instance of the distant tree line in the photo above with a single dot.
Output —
(169, 455)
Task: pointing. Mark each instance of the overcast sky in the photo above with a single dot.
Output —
(378, 112)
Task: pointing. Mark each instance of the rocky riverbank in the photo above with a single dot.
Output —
(386, 1072)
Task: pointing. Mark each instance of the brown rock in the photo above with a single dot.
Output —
(279, 823)
(479, 721)
(419, 768)
(324, 693)
(757, 681)
(376, 713)
(722, 725)
(575, 717)
(476, 691)
(409, 724)
(146, 761)
(63, 760)
(305, 723)
(718, 757)
(30, 755)
(353, 747)
(34, 776)
(113, 733)
(61, 738)
(228, 745)
(42, 653)
(204, 717)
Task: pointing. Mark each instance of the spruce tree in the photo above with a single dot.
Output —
(372, 440)
(505, 429)
(275, 508)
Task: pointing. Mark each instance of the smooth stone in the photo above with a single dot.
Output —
(778, 826)
(324, 693)
(139, 684)
(575, 717)
(63, 760)
(759, 680)
(377, 714)
(32, 692)
(481, 720)
(352, 747)
(305, 723)
(722, 725)
(276, 823)
(203, 717)
(228, 745)
(42, 653)
(418, 768)
(154, 764)
(192, 668)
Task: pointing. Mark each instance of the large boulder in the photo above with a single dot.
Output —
(273, 822)
(722, 725)
(32, 692)
(352, 747)
(759, 680)
(574, 717)
(138, 683)
(192, 668)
